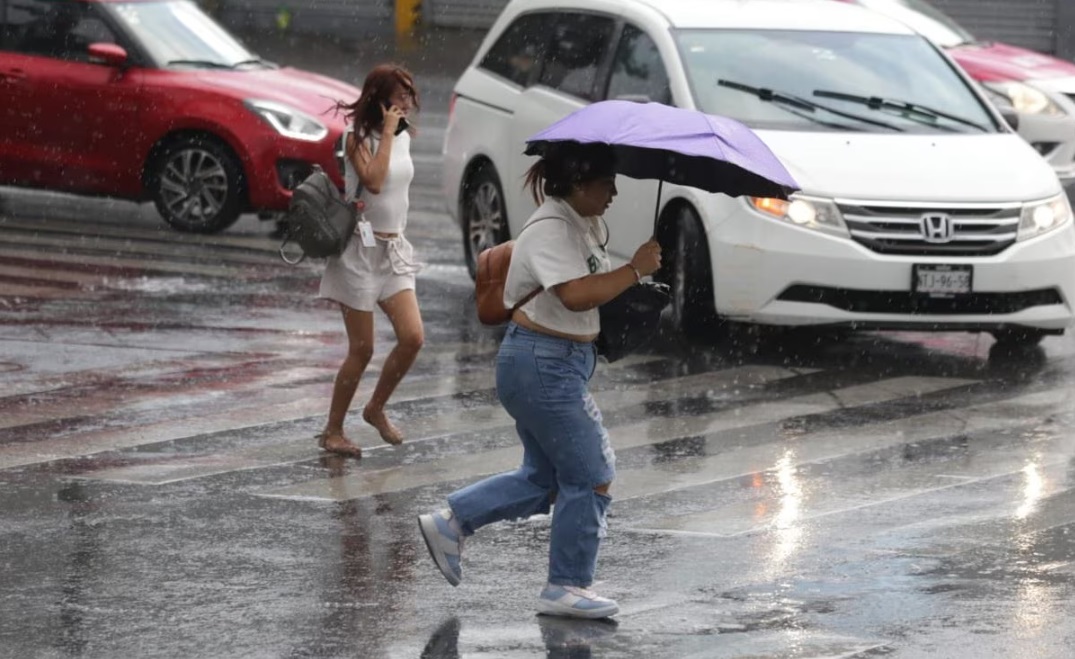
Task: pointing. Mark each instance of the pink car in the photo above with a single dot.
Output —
(1040, 88)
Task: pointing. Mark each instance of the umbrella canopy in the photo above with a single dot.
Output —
(686, 147)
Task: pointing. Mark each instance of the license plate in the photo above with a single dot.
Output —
(942, 280)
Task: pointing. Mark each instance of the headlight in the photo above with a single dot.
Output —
(1043, 216)
(1024, 98)
(288, 121)
(806, 212)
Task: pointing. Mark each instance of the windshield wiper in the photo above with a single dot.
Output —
(255, 60)
(209, 64)
(790, 100)
(878, 103)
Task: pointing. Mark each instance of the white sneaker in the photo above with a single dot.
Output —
(444, 539)
(575, 602)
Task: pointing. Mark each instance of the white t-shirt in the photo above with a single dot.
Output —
(550, 252)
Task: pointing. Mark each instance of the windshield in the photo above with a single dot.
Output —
(923, 19)
(179, 32)
(904, 68)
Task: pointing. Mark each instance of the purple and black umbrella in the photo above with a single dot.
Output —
(685, 147)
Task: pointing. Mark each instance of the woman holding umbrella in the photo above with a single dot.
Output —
(560, 274)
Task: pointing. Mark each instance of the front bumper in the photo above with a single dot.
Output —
(1054, 139)
(773, 273)
(274, 165)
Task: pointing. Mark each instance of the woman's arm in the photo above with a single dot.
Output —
(372, 168)
(592, 291)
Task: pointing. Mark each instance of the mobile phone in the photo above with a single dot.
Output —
(403, 124)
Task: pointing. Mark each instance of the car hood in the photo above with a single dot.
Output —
(933, 168)
(314, 94)
(996, 62)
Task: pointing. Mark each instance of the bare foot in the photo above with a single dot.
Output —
(378, 420)
(336, 442)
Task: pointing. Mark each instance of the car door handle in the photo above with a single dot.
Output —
(12, 75)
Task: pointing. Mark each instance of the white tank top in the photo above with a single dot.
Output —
(386, 211)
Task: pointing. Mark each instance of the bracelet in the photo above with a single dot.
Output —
(638, 275)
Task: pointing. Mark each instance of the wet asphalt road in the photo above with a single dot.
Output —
(885, 494)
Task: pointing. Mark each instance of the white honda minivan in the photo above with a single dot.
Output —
(920, 207)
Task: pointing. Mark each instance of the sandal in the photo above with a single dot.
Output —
(346, 448)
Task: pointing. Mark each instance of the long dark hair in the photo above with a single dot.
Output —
(366, 113)
(566, 164)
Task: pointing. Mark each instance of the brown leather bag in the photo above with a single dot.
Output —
(493, 264)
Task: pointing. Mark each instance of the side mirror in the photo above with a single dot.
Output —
(108, 54)
(1010, 116)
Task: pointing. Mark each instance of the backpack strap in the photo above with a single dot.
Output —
(350, 130)
(534, 293)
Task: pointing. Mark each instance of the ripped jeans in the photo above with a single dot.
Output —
(541, 382)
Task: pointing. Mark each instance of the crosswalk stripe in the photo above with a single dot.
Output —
(446, 423)
(76, 231)
(172, 361)
(49, 259)
(103, 401)
(144, 381)
(123, 262)
(16, 273)
(164, 251)
(10, 290)
(1025, 503)
(781, 459)
(274, 406)
(812, 643)
(252, 414)
(394, 479)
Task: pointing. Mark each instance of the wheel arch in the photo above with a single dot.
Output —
(179, 134)
(666, 220)
(695, 312)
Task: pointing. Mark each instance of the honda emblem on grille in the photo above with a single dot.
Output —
(937, 228)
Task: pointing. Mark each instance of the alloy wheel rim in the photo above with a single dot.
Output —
(485, 220)
(194, 186)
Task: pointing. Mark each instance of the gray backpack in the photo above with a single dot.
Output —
(318, 218)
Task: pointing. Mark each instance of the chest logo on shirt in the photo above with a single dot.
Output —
(593, 263)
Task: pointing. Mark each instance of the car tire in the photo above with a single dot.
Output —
(485, 218)
(197, 184)
(688, 271)
(1019, 337)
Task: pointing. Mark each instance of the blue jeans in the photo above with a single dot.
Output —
(541, 382)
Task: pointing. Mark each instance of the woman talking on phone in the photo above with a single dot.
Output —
(377, 269)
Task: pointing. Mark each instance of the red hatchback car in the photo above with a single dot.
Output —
(153, 100)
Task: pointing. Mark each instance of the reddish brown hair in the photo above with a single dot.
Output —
(367, 111)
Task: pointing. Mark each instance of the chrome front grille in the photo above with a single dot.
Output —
(938, 229)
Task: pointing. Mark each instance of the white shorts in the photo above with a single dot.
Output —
(363, 276)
